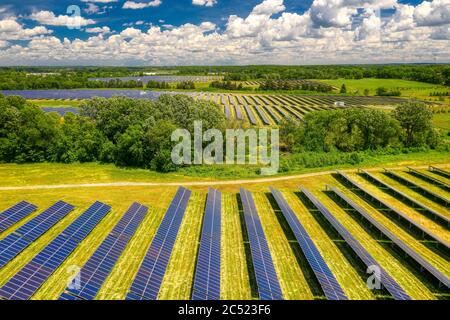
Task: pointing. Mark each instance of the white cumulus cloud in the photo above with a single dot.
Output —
(206, 3)
(141, 5)
(49, 18)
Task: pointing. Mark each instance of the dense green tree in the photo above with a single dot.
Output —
(416, 120)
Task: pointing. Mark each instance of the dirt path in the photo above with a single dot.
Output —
(187, 184)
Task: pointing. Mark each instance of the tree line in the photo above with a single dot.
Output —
(119, 130)
(361, 129)
(136, 132)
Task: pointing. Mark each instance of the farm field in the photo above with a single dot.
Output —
(409, 89)
(237, 278)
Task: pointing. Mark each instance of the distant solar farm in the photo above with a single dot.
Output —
(354, 235)
(255, 109)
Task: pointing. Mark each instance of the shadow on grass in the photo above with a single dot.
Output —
(248, 251)
(345, 249)
(313, 283)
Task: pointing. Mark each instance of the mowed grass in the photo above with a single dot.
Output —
(408, 89)
(237, 280)
(39, 174)
(442, 120)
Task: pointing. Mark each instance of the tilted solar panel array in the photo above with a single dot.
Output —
(402, 245)
(432, 180)
(21, 238)
(99, 266)
(262, 115)
(415, 204)
(148, 280)
(207, 273)
(400, 214)
(272, 113)
(238, 112)
(251, 116)
(440, 171)
(14, 214)
(328, 282)
(418, 188)
(388, 282)
(266, 277)
(30, 278)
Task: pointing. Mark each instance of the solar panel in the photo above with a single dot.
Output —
(400, 214)
(418, 188)
(237, 109)
(391, 236)
(388, 282)
(30, 278)
(99, 266)
(429, 179)
(250, 114)
(281, 111)
(420, 207)
(15, 214)
(328, 282)
(266, 277)
(272, 114)
(227, 112)
(22, 237)
(207, 274)
(148, 280)
(440, 171)
(262, 115)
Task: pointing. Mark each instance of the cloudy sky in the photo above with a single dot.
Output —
(225, 32)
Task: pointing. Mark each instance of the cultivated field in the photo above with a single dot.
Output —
(296, 278)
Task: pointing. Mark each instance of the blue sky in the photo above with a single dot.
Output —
(297, 31)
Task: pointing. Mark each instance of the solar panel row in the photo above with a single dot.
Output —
(251, 116)
(148, 280)
(440, 172)
(22, 237)
(30, 278)
(388, 282)
(328, 282)
(98, 267)
(418, 188)
(432, 180)
(266, 277)
(400, 214)
(15, 214)
(443, 279)
(420, 207)
(207, 274)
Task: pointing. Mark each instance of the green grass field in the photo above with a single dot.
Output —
(296, 278)
(409, 89)
(442, 120)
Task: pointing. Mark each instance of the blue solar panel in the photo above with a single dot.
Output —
(21, 238)
(262, 115)
(251, 116)
(400, 214)
(266, 277)
(238, 112)
(328, 282)
(96, 270)
(29, 279)
(15, 214)
(442, 278)
(147, 282)
(207, 274)
(388, 282)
